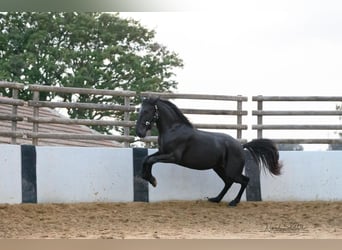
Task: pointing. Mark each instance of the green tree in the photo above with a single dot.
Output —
(88, 50)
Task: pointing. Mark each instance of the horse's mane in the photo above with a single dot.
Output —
(177, 111)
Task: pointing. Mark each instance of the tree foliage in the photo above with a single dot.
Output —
(88, 50)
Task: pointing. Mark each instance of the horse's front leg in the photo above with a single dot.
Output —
(147, 169)
(152, 159)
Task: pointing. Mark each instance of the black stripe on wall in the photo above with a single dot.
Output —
(28, 174)
(140, 186)
(252, 170)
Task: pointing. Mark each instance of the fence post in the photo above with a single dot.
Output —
(259, 121)
(36, 116)
(15, 95)
(126, 119)
(239, 118)
(148, 144)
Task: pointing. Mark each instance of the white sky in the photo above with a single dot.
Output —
(251, 48)
(255, 47)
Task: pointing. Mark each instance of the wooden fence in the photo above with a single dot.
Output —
(127, 108)
(233, 110)
(12, 117)
(36, 104)
(261, 113)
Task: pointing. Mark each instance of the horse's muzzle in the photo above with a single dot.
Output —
(141, 132)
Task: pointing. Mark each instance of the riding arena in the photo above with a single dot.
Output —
(213, 167)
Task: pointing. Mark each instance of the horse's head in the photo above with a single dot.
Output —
(147, 116)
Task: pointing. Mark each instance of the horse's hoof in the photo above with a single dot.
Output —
(215, 200)
(232, 204)
(153, 182)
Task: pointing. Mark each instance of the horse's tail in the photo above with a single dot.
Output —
(265, 153)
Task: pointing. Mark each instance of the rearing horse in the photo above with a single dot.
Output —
(180, 143)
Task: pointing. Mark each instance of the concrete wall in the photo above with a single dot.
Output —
(10, 174)
(71, 174)
(306, 176)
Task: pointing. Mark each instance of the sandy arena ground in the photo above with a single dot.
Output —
(172, 220)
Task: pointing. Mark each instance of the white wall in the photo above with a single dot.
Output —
(307, 175)
(10, 174)
(71, 174)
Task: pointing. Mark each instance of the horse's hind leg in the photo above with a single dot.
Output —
(243, 180)
(227, 184)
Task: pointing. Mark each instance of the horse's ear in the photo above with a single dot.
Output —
(153, 100)
(146, 99)
(143, 99)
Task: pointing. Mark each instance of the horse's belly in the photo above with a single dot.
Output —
(201, 161)
(198, 165)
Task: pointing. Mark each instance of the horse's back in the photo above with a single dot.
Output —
(219, 138)
(205, 150)
(226, 142)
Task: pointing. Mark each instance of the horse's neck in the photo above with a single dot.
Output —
(167, 117)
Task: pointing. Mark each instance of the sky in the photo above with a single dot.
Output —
(254, 47)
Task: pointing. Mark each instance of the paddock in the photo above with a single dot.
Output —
(96, 192)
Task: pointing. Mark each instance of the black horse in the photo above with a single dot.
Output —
(180, 143)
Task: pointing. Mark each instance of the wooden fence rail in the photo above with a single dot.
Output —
(260, 113)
